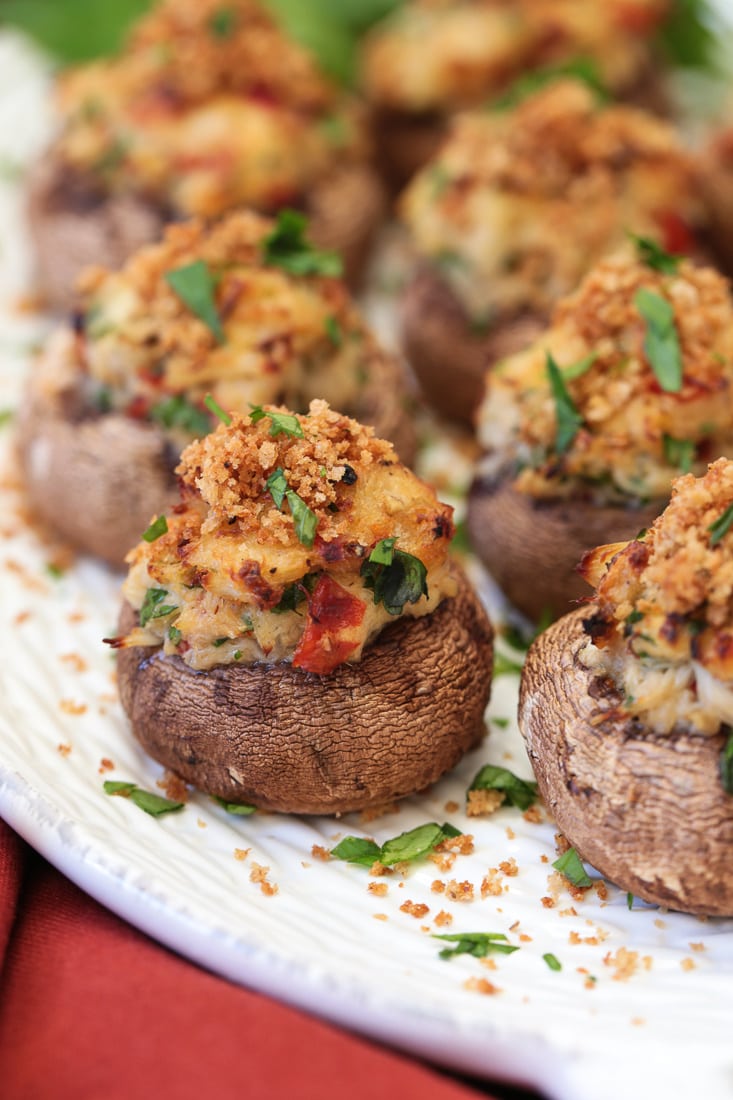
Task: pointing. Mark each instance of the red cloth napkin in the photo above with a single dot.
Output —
(91, 1009)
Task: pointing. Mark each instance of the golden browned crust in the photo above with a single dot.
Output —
(648, 811)
(633, 435)
(517, 205)
(196, 48)
(678, 583)
(450, 356)
(282, 739)
(532, 548)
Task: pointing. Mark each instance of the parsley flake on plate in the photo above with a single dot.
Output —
(409, 846)
(477, 944)
(571, 865)
(153, 804)
(517, 792)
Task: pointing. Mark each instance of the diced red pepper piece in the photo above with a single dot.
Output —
(332, 614)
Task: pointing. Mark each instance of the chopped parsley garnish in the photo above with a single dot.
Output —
(304, 519)
(478, 944)
(409, 846)
(178, 412)
(440, 179)
(654, 256)
(292, 596)
(112, 157)
(726, 763)
(6, 416)
(721, 526)
(157, 528)
(280, 423)
(153, 606)
(222, 23)
(286, 247)
(174, 635)
(629, 901)
(461, 540)
(395, 577)
(679, 452)
(581, 68)
(576, 370)
(213, 406)
(195, 285)
(688, 37)
(569, 420)
(505, 666)
(570, 865)
(153, 804)
(240, 809)
(501, 723)
(552, 961)
(334, 331)
(517, 792)
(661, 343)
(277, 484)
(55, 571)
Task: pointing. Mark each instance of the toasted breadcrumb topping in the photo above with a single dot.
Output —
(139, 349)
(519, 204)
(434, 55)
(662, 622)
(235, 579)
(633, 436)
(209, 105)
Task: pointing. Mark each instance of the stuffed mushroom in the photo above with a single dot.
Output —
(239, 314)
(295, 635)
(584, 431)
(513, 212)
(209, 107)
(626, 706)
(433, 58)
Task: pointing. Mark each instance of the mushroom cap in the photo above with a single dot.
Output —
(74, 223)
(532, 547)
(448, 356)
(97, 482)
(648, 810)
(288, 740)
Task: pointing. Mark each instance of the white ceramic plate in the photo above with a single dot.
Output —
(643, 1002)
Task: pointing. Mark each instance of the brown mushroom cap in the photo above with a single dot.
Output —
(647, 810)
(97, 482)
(283, 739)
(74, 224)
(532, 547)
(448, 356)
